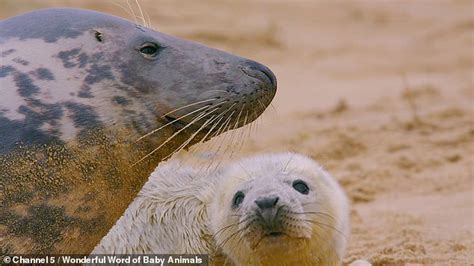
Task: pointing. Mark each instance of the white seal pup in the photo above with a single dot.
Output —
(86, 95)
(263, 210)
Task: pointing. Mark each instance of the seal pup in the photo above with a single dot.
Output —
(270, 209)
(89, 105)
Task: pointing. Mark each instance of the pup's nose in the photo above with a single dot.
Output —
(267, 202)
(260, 72)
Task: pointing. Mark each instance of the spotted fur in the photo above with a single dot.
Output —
(72, 107)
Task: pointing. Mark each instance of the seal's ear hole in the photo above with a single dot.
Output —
(98, 36)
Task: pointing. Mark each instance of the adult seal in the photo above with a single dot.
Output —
(269, 209)
(89, 105)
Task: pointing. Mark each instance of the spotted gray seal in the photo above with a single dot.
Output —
(90, 103)
(267, 209)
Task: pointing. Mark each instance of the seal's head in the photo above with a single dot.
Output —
(280, 208)
(101, 71)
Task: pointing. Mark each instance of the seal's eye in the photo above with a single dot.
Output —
(238, 199)
(301, 186)
(149, 49)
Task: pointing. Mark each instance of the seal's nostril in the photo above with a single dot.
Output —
(267, 203)
(270, 76)
(261, 72)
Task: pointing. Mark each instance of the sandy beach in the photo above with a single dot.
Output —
(379, 92)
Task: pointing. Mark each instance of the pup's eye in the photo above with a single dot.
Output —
(301, 186)
(149, 49)
(238, 199)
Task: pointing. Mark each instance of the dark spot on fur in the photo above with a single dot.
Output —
(83, 209)
(85, 92)
(120, 100)
(96, 57)
(83, 60)
(25, 85)
(98, 73)
(6, 70)
(83, 116)
(28, 131)
(44, 74)
(20, 61)
(89, 197)
(25, 132)
(22, 196)
(67, 56)
(92, 225)
(7, 52)
(132, 77)
(43, 224)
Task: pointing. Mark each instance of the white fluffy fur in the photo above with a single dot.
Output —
(183, 210)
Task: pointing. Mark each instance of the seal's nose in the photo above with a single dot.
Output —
(260, 72)
(267, 202)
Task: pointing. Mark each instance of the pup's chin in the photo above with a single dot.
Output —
(277, 244)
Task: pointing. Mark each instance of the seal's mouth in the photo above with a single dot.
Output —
(274, 234)
(175, 122)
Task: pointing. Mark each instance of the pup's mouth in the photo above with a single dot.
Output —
(274, 234)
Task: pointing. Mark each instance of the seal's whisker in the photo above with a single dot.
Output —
(223, 243)
(313, 213)
(189, 105)
(226, 128)
(248, 126)
(171, 122)
(149, 21)
(132, 11)
(261, 105)
(323, 224)
(221, 127)
(221, 115)
(288, 163)
(225, 228)
(235, 133)
(245, 170)
(192, 136)
(273, 109)
(243, 131)
(323, 237)
(231, 225)
(141, 13)
(258, 242)
(254, 124)
(123, 8)
(199, 117)
(214, 124)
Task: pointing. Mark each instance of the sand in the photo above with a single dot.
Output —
(379, 92)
